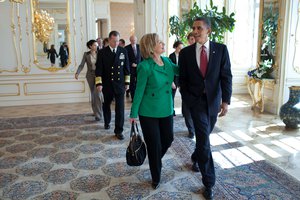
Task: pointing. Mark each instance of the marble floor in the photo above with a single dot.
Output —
(263, 135)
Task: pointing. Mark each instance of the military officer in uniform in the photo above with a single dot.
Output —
(112, 78)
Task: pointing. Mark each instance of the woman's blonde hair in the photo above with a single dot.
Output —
(147, 44)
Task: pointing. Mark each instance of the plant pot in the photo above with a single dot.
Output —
(290, 111)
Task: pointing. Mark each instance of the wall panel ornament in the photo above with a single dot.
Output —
(9, 89)
(50, 88)
(28, 68)
(296, 59)
(74, 36)
(17, 1)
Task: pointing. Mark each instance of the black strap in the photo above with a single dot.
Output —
(134, 130)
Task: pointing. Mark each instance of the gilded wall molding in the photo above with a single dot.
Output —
(24, 68)
(13, 31)
(296, 59)
(20, 38)
(81, 23)
(26, 93)
(17, 1)
(10, 94)
(74, 37)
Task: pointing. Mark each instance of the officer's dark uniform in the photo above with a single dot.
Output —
(112, 72)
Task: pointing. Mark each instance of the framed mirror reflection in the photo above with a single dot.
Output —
(51, 34)
(269, 29)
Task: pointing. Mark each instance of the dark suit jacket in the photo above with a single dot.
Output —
(62, 53)
(217, 83)
(112, 69)
(132, 58)
(172, 56)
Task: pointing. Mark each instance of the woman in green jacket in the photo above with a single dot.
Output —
(153, 101)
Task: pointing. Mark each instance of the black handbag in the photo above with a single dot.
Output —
(136, 150)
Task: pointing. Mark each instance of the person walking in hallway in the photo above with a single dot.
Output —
(90, 59)
(186, 113)
(134, 55)
(153, 102)
(178, 45)
(100, 43)
(206, 87)
(112, 78)
(51, 54)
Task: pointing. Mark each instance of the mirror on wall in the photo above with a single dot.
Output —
(51, 34)
(269, 15)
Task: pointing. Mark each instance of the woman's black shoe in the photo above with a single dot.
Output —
(155, 185)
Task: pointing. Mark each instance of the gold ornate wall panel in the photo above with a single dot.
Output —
(296, 57)
(9, 89)
(74, 36)
(50, 88)
(12, 25)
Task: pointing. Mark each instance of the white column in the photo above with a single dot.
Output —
(90, 19)
(290, 46)
(139, 18)
(156, 18)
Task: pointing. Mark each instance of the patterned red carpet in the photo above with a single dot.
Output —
(73, 157)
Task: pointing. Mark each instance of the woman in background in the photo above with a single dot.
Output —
(105, 42)
(90, 58)
(153, 101)
(51, 54)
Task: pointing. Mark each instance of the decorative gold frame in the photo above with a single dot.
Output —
(26, 93)
(35, 61)
(11, 94)
(261, 12)
(17, 1)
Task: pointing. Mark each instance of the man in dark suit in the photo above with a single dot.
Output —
(112, 78)
(178, 45)
(64, 54)
(206, 86)
(134, 55)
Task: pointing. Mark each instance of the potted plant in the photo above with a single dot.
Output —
(220, 22)
(263, 70)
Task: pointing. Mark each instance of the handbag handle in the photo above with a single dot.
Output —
(134, 130)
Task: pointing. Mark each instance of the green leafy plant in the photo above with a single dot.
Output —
(269, 34)
(220, 22)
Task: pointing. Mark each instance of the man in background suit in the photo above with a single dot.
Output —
(134, 55)
(186, 113)
(64, 54)
(206, 86)
(112, 78)
(178, 45)
(100, 43)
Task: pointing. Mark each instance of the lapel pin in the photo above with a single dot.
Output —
(214, 52)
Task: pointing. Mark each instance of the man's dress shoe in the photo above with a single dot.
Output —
(208, 194)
